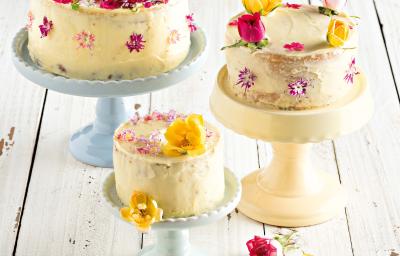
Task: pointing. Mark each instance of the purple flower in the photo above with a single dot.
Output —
(299, 87)
(190, 21)
(246, 78)
(351, 72)
(46, 27)
(135, 43)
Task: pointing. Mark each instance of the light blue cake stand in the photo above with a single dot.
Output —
(93, 143)
(172, 235)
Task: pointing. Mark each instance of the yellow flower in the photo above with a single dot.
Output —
(338, 32)
(262, 6)
(185, 137)
(142, 211)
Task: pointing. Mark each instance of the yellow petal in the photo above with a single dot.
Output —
(197, 151)
(126, 214)
(253, 6)
(170, 150)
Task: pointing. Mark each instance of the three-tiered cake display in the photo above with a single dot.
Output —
(292, 78)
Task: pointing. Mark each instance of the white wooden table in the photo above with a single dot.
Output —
(50, 203)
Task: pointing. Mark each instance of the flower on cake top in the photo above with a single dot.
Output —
(299, 87)
(338, 32)
(246, 78)
(127, 135)
(45, 27)
(185, 136)
(143, 211)
(263, 7)
(293, 6)
(31, 18)
(334, 4)
(85, 40)
(351, 72)
(190, 21)
(63, 1)
(294, 46)
(135, 43)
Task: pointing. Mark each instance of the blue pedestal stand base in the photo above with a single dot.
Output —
(93, 144)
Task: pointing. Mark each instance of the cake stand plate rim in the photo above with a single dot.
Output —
(291, 126)
(231, 200)
(109, 88)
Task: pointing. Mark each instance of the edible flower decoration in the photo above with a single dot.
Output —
(261, 246)
(185, 136)
(293, 6)
(263, 7)
(351, 72)
(31, 18)
(252, 32)
(299, 87)
(85, 40)
(246, 79)
(143, 211)
(136, 42)
(338, 32)
(191, 24)
(46, 27)
(295, 46)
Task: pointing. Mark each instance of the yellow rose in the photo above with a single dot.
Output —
(185, 137)
(142, 211)
(338, 32)
(262, 6)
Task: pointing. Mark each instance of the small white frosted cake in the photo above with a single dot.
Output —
(305, 59)
(109, 39)
(177, 160)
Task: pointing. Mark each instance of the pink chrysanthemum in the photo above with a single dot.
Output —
(174, 37)
(351, 72)
(293, 6)
(298, 88)
(46, 27)
(191, 24)
(31, 18)
(85, 40)
(135, 43)
(246, 78)
(295, 46)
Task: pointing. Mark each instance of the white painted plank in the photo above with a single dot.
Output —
(20, 109)
(63, 213)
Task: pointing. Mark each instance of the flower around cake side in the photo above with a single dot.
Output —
(175, 159)
(295, 57)
(109, 39)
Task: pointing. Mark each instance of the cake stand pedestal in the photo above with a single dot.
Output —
(93, 143)
(292, 191)
(172, 235)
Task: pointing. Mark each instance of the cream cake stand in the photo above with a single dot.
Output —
(172, 235)
(292, 191)
(93, 143)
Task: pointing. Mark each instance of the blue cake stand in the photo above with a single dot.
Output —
(93, 143)
(172, 235)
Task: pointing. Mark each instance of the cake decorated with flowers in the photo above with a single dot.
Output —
(291, 56)
(109, 39)
(175, 159)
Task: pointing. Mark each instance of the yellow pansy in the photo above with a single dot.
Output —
(142, 211)
(338, 32)
(185, 137)
(262, 6)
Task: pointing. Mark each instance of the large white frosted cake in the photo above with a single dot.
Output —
(175, 159)
(294, 57)
(109, 39)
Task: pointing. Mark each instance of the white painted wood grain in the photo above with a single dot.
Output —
(20, 109)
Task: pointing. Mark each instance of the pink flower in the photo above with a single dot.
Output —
(110, 4)
(85, 40)
(63, 1)
(190, 21)
(259, 246)
(233, 23)
(295, 46)
(334, 4)
(135, 43)
(299, 87)
(251, 29)
(246, 78)
(126, 135)
(46, 27)
(293, 6)
(351, 72)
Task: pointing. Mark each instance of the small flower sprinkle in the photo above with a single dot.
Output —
(126, 135)
(298, 88)
(174, 37)
(293, 6)
(351, 72)
(46, 27)
(85, 40)
(191, 24)
(295, 46)
(246, 78)
(233, 23)
(135, 43)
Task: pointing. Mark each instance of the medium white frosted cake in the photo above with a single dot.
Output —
(177, 160)
(294, 57)
(109, 39)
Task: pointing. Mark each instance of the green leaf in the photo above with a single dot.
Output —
(237, 44)
(327, 11)
(262, 43)
(75, 5)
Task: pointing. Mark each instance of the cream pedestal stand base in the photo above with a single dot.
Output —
(291, 191)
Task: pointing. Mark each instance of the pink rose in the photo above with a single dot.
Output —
(334, 4)
(251, 29)
(110, 4)
(259, 246)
